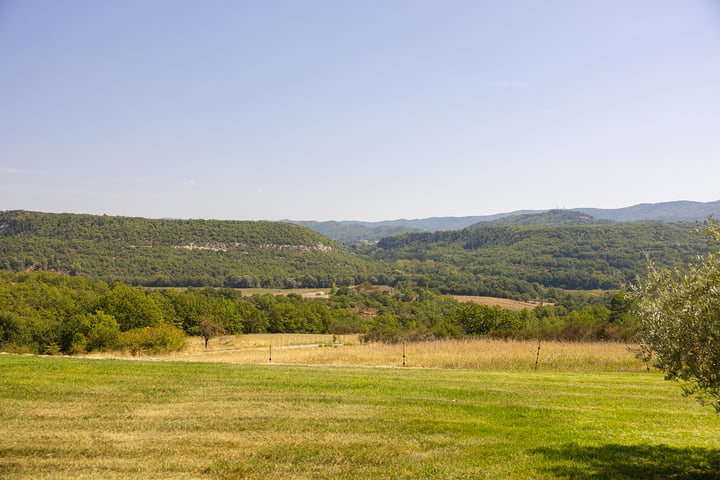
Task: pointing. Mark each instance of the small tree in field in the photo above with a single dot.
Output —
(678, 313)
(208, 329)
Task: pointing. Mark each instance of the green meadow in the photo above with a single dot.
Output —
(82, 418)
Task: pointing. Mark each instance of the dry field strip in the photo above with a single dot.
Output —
(347, 350)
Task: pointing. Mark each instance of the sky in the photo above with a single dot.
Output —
(356, 109)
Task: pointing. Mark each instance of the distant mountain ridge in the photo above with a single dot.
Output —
(551, 218)
(353, 231)
(680, 211)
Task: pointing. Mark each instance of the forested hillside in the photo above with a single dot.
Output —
(176, 252)
(525, 261)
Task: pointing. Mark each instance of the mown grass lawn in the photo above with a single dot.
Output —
(80, 418)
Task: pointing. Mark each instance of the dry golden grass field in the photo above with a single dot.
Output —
(347, 350)
(305, 292)
(498, 302)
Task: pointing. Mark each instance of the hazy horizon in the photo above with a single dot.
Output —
(361, 220)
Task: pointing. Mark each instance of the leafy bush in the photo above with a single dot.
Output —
(162, 339)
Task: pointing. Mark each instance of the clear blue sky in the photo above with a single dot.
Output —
(364, 110)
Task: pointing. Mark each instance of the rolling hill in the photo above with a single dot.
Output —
(681, 211)
(522, 260)
(551, 218)
(521, 257)
(176, 252)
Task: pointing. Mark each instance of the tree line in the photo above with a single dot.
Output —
(42, 312)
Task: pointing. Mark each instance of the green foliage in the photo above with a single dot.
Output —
(161, 339)
(36, 306)
(384, 328)
(482, 320)
(12, 331)
(85, 332)
(294, 314)
(131, 307)
(253, 320)
(104, 332)
(165, 253)
(187, 308)
(679, 321)
(527, 262)
(51, 313)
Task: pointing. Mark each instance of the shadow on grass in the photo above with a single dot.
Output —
(631, 462)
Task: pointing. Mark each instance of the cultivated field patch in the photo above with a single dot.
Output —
(499, 302)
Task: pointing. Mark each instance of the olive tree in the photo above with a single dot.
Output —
(678, 313)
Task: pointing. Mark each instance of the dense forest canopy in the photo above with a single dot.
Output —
(137, 231)
(176, 252)
(526, 260)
